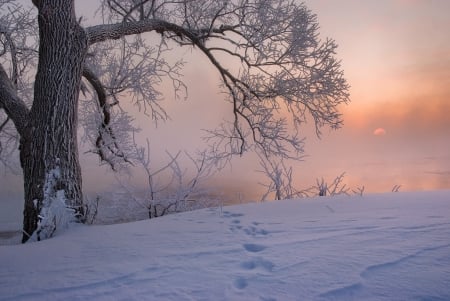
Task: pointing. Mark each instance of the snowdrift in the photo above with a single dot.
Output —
(376, 247)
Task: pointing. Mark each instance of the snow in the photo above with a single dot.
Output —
(376, 247)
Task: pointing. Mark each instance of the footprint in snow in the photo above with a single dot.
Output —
(229, 214)
(253, 231)
(240, 283)
(257, 263)
(234, 228)
(254, 248)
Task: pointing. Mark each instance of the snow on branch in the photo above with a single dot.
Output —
(274, 68)
(280, 176)
(106, 139)
(109, 134)
(18, 32)
(171, 187)
(334, 188)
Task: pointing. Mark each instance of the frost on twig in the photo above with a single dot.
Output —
(110, 139)
(171, 187)
(18, 39)
(334, 188)
(274, 69)
(280, 184)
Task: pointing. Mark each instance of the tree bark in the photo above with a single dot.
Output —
(48, 148)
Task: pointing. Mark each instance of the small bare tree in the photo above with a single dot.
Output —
(281, 184)
(280, 177)
(335, 188)
(170, 188)
(359, 190)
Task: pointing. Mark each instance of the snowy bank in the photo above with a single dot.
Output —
(376, 247)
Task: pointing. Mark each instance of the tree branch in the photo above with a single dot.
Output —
(284, 68)
(13, 50)
(4, 123)
(14, 107)
(90, 76)
(100, 33)
(105, 127)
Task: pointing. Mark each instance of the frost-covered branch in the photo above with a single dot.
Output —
(275, 72)
(335, 188)
(106, 140)
(17, 39)
(170, 187)
(14, 107)
(272, 64)
(281, 182)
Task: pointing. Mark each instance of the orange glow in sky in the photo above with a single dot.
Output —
(396, 57)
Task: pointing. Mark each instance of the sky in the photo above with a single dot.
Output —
(396, 57)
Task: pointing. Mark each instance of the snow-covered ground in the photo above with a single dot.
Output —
(376, 247)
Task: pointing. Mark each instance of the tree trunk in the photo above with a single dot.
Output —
(49, 148)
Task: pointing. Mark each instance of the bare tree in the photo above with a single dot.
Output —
(280, 176)
(359, 190)
(273, 66)
(281, 184)
(171, 188)
(335, 188)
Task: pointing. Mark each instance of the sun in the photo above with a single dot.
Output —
(379, 132)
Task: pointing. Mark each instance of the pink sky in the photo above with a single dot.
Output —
(396, 57)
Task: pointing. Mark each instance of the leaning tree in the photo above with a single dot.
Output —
(274, 68)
